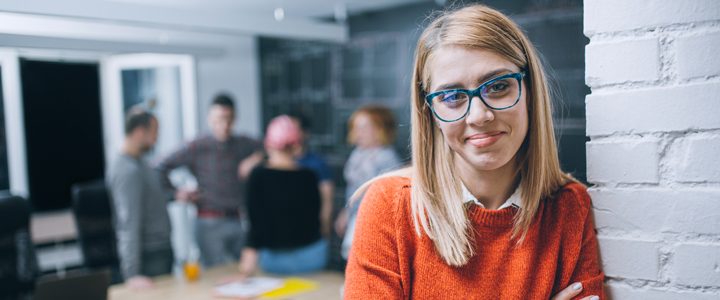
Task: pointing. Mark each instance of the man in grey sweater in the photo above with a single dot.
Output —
(142, 224)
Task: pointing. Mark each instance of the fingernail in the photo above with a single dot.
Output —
(578, 286)
(594, 298)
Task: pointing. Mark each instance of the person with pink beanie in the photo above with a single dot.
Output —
(284, 209)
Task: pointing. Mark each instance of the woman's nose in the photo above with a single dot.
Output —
(479, 113)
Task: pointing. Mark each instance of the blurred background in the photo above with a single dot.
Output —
(71, 69)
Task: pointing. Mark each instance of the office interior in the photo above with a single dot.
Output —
(71, 69)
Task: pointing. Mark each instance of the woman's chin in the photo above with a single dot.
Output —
(485, 162)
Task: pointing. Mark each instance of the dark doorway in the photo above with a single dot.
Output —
(4, 167)
(63, 129)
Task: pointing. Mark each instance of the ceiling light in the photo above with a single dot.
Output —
(279, 14)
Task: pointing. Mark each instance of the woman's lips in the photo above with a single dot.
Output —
(482, 140)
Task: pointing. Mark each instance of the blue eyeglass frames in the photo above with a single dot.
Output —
(499, 93)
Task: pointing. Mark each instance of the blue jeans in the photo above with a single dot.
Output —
(305, 259)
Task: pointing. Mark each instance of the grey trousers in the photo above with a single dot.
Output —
(220, 240)
(158, 262)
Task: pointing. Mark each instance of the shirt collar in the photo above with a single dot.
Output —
(514, 199)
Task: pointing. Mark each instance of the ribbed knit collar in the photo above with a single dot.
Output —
(496, 218)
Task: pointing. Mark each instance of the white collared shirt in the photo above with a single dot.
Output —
(514, 199)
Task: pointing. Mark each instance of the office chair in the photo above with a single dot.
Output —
(18, 263)
(75, 284)
(92, 208)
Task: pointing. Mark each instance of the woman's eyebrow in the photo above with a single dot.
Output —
(482, 79)
(494, 73)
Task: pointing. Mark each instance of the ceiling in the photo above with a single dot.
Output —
(293, 8)
(184, 21)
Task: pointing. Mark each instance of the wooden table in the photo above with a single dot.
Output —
(169, 287)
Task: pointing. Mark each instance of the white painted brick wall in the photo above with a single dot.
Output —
(698, 159)
(697, 264)
(623, 291)
(634, 161)
(653, 118)
(657, 210)
(640, 263)
(625, 15)
(654, 109)
(608, 62)
(698, 56)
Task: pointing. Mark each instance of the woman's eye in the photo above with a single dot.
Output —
(450, 97)
(498, 87)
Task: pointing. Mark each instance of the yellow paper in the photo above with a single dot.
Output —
(292, 286)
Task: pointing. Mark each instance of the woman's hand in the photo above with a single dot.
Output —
(572, 291)
(248, 262)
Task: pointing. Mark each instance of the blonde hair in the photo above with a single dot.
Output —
(382, 119)
(433, 175)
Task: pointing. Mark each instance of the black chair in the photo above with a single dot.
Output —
(75, 284)
(93, 216)
(18, 263)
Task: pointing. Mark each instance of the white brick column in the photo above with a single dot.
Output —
(653, 119)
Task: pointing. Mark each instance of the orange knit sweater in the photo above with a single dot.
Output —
(388, 260)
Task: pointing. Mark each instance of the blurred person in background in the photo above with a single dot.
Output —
(139, 200)
(220, 161)
(313, 161)
(284, 207)
(372, 130)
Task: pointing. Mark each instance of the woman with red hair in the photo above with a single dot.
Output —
(284, 208)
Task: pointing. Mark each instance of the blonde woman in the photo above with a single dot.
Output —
(485, 212)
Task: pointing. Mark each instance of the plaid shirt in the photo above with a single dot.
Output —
(215, 165)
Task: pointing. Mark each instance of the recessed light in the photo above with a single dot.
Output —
(279, 14)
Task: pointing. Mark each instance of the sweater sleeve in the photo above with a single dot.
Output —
(181, 157)
(126, 189)
(588, 269)
(373, 271)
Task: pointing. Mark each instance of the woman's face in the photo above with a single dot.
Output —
(366, 135)
(485, 139)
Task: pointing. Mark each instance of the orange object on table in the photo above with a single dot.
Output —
(192, 271)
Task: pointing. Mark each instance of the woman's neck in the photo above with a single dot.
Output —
(371, 146)
(491, 187)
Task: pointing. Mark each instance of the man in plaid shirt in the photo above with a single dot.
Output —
(219, 161)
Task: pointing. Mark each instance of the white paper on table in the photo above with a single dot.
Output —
(250, 287)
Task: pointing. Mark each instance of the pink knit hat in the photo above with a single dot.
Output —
(282, 132)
